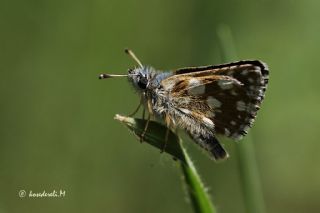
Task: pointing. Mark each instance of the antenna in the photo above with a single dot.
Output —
(133, 56)
(104, 76)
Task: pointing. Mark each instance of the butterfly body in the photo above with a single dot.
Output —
(203, 101)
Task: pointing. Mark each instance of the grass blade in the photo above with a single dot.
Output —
(155, 136)
(199, 197)
(248, 169)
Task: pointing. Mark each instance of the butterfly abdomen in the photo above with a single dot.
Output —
(202, 132)
(200, 129)
(212, 145)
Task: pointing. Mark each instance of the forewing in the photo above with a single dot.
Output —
(233, 93)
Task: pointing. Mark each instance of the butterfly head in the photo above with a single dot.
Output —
(140, 77)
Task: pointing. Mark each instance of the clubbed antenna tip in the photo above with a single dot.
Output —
(103, 76)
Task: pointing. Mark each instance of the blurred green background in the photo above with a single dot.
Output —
(57, 129)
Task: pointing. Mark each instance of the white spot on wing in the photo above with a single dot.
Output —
(195, 87)
(244, 72)
(233, 123)
(226, 132)
(250, 80)
(210, 114)
(225, 84)
(208, 122)
(199, 90)
(241, 106)
(215, 103)
(257, 70)
(193, 82)
(252, 87)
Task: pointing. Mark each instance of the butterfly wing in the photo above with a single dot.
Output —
(228, 95)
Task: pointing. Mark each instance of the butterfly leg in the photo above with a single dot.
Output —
(148, 121)
(145, 128)
(137, 109)
(143, 113)
(168, 123)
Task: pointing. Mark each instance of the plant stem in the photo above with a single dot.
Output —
(198, 195)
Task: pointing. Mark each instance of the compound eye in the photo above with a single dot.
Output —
(142, 83)
(130, 71)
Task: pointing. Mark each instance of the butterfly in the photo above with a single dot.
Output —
(204, 101)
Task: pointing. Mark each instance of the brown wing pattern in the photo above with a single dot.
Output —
(229, 95)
